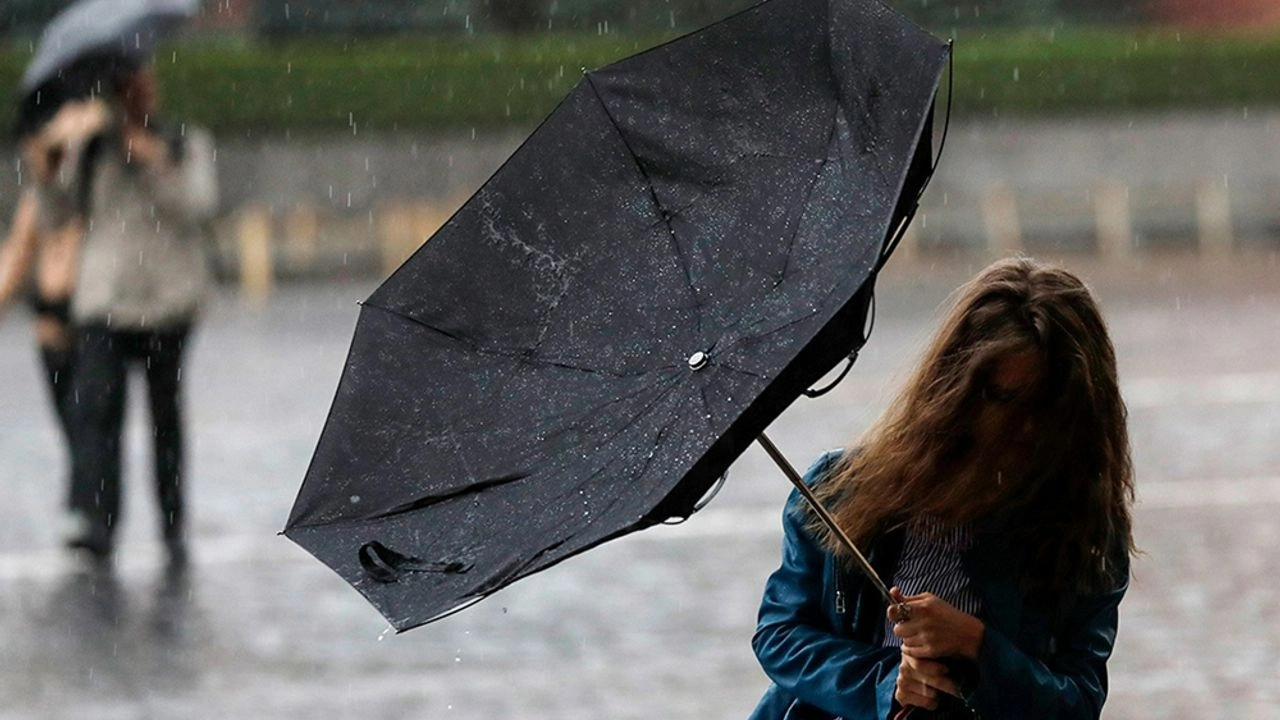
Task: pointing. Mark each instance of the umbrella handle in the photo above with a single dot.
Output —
(903, 611)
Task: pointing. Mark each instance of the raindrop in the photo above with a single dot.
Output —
(1017, 73)
(384, 634)
(355, 499)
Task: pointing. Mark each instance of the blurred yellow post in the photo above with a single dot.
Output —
(1113, 220)
(428, 217)
(1213, 216)
(253, 229)
(301, 231)
(1000, 216)
(395, 234)
(403, 227)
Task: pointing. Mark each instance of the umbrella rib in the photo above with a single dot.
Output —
(648, 460)
(717, 182)
(663, 393)
(663, 215)
(808, 196)
(831, 135)
(520, 355)
(875, 157)
(559, 266)
(794, 321)
(586, 412)
(791, 240)
(743, 371)
(706, 403)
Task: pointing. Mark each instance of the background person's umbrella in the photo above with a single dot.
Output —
(681, 248)
(87, 42)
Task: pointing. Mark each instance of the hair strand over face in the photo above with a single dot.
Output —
(1069, 500)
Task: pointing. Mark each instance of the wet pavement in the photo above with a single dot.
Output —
(656, 625)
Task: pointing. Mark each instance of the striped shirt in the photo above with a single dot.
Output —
(931, 562)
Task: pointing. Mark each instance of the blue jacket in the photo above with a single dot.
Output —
(821, 627)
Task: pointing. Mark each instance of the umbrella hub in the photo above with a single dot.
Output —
(698, 360)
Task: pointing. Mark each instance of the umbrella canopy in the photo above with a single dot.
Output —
(89, 41)
(680, 249)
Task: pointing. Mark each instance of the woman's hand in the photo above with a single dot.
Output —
(936, 629)
(77, 121)
(920, 681)
(144, 147)
(48, 151)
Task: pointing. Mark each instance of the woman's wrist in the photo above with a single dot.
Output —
(974, 633)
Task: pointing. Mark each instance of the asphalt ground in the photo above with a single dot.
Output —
(656, 625)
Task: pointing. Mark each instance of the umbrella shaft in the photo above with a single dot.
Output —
(827, 519)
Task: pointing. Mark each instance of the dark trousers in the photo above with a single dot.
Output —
(99, 384)
(58, 366)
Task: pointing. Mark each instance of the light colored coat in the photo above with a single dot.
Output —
(142, 263)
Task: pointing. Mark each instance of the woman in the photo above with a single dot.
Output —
(995, 495)
(44, 239)
(146, 190)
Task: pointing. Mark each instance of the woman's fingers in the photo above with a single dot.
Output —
(918, 694)
(935, 628)
(932, 675)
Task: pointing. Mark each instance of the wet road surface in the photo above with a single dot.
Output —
(656, 625)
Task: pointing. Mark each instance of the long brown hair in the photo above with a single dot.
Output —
(1071, 502)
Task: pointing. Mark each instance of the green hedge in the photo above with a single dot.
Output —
(1095, 72)
(492, 81)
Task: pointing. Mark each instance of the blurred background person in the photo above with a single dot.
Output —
(147, 186)
(42, 248)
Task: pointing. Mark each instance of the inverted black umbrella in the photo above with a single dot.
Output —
(683, 247)
(89, 42)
